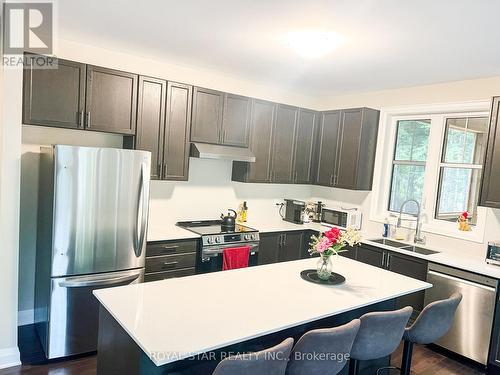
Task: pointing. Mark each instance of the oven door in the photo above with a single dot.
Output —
(212, 256)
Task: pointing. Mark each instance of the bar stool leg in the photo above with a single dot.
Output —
(407, 354)
(353, 367)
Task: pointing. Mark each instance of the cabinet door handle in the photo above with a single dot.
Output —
(388, 260)
(383, 259)
(170, 264)
(331, 179)
(170, 249)
(158, 170)
(165, 169)
(81, 120)
(284, 239)
(87, 119)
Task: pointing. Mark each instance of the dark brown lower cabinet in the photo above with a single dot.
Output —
(494, 355)
(400, 263)
(281, 247)
(371, 255)
(411, 267)
(168, 259)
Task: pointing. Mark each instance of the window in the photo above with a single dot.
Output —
(461, 167)
(433, 154)
(408, 165)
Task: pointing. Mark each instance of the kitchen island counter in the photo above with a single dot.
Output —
(174, 319)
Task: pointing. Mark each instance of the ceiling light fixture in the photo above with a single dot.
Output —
(313, 44)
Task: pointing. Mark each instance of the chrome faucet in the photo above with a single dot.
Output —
(417, 238)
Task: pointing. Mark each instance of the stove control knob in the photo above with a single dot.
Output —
(210, 240)
(217, 239)
(247, 237)
(253, 236)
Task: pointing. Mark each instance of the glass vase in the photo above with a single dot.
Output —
(324, 267)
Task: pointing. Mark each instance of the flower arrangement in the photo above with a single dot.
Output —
(333, 241)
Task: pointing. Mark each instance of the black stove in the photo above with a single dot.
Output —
(213, 233)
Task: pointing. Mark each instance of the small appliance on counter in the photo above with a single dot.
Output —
(313, 211)
(342, 218)
(294, 211)
(493, 253)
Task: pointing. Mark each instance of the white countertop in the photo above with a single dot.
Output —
(169, 232)
(458, 258)
(176, 318)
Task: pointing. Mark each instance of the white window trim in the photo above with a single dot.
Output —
(383, 165)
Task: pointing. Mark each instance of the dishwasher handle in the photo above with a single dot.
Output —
(463, 281)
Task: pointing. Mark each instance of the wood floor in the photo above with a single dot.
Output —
(425, 361)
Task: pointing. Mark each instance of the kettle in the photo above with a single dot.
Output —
(228, 221)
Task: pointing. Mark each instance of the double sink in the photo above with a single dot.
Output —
(404, 246)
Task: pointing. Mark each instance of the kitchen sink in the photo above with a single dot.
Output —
(419, 250)
(386, 241)
(405, 246)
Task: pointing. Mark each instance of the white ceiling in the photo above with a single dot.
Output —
(389, 43)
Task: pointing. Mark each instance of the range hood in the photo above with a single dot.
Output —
(208, 151)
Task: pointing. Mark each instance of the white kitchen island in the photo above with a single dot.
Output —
(160, 324)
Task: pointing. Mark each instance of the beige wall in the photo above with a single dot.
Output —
(477, 89)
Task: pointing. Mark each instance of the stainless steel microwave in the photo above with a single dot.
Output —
(341, 218)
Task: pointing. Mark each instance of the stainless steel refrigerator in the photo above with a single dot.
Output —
(92, 221)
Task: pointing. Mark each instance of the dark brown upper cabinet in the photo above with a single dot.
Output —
(283, 144)
(177, 129)
(163, 124)
(329, 129)
(304, 146)
(348, 141)
(151, 121)
(54, 97)
(111, 100)
(490, 188)
(220, 118)
(206, 121)
(236, 120)
(261, 133)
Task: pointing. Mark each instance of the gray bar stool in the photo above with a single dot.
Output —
(270, 361)
(432, 324)
(323, 351)
(379, 335)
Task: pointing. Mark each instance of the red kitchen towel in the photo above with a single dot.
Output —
(235, 257)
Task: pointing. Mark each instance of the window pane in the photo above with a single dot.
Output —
(465, 140)
(412, 140)
(458, 192)
(407, 183)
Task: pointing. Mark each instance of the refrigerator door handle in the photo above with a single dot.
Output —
(85, 283)
(142, 213)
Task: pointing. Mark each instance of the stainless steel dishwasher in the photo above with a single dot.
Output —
(470, 333)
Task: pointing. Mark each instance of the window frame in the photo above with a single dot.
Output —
(386, 144)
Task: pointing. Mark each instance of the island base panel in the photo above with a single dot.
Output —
(118, 354)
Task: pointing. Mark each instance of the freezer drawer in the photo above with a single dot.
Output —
(471, 330)
(74, 311)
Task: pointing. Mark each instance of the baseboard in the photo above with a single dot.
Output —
(9, 357)
(25, 317)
